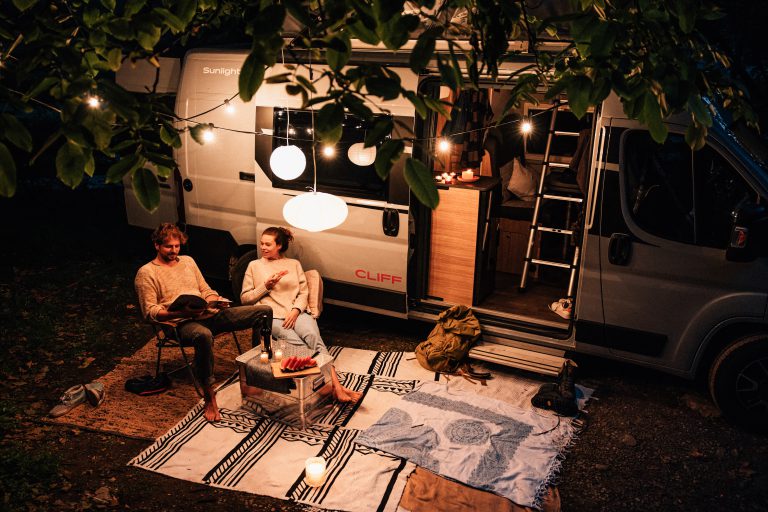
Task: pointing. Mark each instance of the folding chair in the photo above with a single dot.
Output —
(168, 337)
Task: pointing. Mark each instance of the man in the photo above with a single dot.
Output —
(169, 275)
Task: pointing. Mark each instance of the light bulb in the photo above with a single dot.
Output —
(360, 155)
(443, 146)
(229, 108)
(315, 211)
(93, 101)
(208, 135)
(287, 162)
(329, 151)
(526, 127)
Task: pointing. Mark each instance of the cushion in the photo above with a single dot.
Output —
(522, 182)
(315, 299)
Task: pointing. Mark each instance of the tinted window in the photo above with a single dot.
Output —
(335, 174)
(678, 194)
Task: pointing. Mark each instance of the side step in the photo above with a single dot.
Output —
(537, 362)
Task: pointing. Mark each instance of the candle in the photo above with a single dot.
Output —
(278, 355)
(264, 357)
(315, 471)
(467, 175)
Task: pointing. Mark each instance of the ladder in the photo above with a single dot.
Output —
(542, 196)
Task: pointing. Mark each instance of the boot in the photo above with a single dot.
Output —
(567, 380)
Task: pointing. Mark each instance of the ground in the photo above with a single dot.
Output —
(67, 314)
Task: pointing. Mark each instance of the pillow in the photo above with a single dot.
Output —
(522, 182)
(315, 299)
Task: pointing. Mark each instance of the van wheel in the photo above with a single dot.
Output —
(738, 382)
(238, 272)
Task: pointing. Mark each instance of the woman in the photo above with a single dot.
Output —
(276, 281)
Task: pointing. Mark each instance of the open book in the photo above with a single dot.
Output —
(197, 302)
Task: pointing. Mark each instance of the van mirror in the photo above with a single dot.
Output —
(748, 233)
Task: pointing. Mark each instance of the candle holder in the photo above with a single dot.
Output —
(314, 471)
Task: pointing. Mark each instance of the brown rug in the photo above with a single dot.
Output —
(149, 417)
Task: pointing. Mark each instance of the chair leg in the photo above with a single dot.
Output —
(191, 372)
(159, 353)
(237, 343)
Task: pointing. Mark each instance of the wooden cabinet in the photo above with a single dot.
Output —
(461, 263)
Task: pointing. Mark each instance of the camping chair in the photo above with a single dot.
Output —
(168, 337)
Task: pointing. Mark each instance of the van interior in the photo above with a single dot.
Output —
(509, 163)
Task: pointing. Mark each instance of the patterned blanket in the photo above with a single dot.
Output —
(251, 453)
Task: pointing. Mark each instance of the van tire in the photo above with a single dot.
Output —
(738, 382)
(238, 272)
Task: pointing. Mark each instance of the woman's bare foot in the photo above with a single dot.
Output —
(247, 390)
(345, 395)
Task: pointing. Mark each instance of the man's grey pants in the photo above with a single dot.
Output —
(200, 333)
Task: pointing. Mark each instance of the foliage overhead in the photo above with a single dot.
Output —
(651, 53)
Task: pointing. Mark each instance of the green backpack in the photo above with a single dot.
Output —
(448, 344)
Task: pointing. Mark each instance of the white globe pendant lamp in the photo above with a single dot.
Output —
(288, 162)
(315, 211)
(360, 155)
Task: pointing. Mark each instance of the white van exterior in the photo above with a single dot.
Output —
(659, 283)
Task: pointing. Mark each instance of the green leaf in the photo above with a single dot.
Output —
(652, 117)
(699, 110)
(447, 73)
(579, 89)
(251, 76)
(146, 189)
(421, 182)
(100, 123)
(7, 172)
(384, 87)
(16, 133)
(383, 10)
(122, 167)
(423, 51)
(356, 106)
(696, 136)
(70, 164)
(170, 137)
(437, 106)
(386, 156)
(686, 11)
(280, 78)
(304, 81)
(300, 11)
(114, 58)
(329, 123)
(185, 10)
(418, 104)
(148, 36)
(197, 132)
(173, 21)
(90, 164)
(163, 171)
(132, 7)
(382, 127)
(338, 59)
(23, 5)
(120, 28)
(109, 4)
(363, 33)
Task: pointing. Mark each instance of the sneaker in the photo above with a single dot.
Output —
(94, 393)
(71, 398)
(563, 308)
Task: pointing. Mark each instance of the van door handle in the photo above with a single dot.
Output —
(620, 249)
(390, 222)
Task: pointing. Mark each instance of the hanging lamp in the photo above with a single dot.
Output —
(360, 155)
(315, 211)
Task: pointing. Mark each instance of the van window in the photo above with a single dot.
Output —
(679, 194)
(335, 173)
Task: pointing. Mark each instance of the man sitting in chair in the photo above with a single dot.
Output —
(169, 275)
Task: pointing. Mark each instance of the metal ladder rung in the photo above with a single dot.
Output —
(567, 134)
(558, 165)
(562, 198)
(555, 230)
(551, 263)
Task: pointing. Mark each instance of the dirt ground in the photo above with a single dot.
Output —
(67, 314)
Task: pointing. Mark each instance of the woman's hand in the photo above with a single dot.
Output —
(290, 318)
(272, 281)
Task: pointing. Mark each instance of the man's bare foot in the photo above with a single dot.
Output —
(346, 396)
(211, 410)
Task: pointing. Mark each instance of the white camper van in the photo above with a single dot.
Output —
(660, 251)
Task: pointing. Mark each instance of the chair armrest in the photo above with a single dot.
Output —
(315, 286)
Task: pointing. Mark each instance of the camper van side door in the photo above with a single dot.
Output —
(666, 282)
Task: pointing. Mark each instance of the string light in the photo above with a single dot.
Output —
(229, 108)
(208, 135)
(93, 101)
(526, 127)
(329, 151)
(443, 146)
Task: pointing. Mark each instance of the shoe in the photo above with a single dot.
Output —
(148, 385)
(71, 398)
(94, 393)
(567, 380)
(563, 308)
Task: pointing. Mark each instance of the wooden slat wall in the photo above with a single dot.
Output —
(454, 239)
